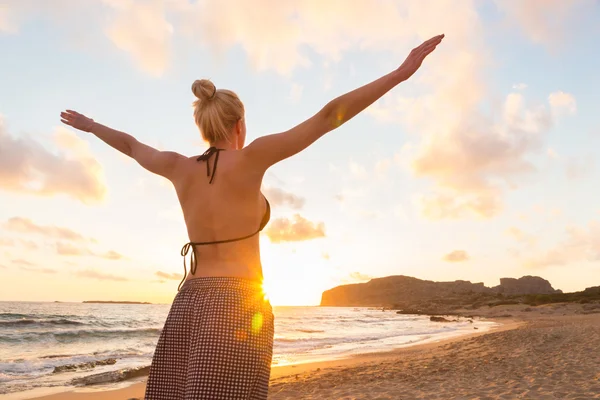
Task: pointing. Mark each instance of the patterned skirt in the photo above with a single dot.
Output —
(217, 343)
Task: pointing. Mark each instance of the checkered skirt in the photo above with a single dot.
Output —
(217, 343)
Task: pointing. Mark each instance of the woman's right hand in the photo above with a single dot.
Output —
(417, 55)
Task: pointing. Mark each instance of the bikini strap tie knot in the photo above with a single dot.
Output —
(193, 262)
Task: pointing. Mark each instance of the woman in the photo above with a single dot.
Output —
(217, 341)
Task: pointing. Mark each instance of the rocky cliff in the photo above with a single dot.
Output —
(525, 285)
(407, 292)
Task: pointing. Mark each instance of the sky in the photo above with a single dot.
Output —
(481, 166)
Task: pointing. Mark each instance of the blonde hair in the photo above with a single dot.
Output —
(215, 111)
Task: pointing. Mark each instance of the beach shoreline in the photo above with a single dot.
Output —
(543, 352)
(134, 388)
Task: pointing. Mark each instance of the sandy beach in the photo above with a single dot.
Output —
(544, 352)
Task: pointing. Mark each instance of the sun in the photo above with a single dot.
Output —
(266, 290)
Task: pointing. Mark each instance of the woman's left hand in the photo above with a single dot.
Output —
(76, 120)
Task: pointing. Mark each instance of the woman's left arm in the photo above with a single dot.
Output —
(159, 162)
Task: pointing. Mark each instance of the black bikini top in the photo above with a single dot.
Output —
(186, 247)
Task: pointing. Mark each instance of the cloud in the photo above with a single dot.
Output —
(545, 22)
(279, 197)
(26, 226)
(7, 20)
(296, 230)
(325, 255)
(70, 243)
(521, 236)
(452, 205)
(141, 29)
(174, 275)
(357, 277)
(26, 166)
(39, 270)
(562, 103)
(112, 255)
(100, 276)
(289, 31)
(520, 86)
(7, 242)
(382, 166)
(580, 244)
(456, 256)
(21, 262)
(146, 29)
(473, 164)
(67, 249)
(472, 155)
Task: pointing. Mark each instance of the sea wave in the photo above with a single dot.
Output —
(302, 343)
(70, 335)
(14, 315)
(24, 321)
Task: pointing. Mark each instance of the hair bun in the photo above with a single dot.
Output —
(204, 89)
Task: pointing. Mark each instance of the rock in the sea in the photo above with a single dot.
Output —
(440, 319)
(64, 368)
(108, 361)
(86, 365)
(112, 376)
(411, 311)
(74, 367)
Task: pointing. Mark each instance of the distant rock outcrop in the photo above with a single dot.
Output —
(592, 290)
(525, 285)
(405, 292)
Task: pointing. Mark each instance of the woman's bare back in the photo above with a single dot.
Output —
(230, 207)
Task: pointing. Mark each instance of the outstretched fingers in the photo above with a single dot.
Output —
(434, 41)
(68, 117)
(428, 46)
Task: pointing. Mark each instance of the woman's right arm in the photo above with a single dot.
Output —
(268, 150)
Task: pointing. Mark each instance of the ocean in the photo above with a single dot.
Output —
(36, 337)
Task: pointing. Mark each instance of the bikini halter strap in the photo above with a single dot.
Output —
(206, 156)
